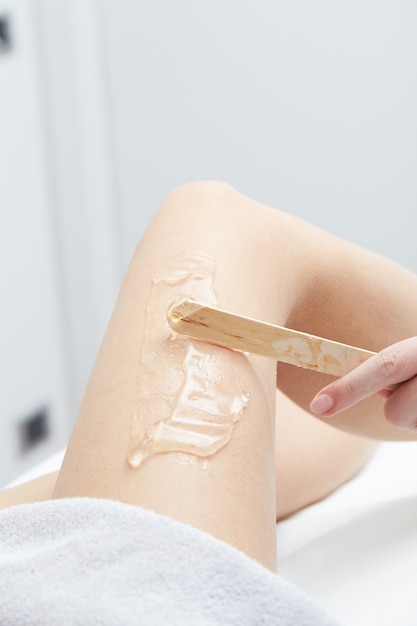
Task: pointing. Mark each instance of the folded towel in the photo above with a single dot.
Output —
(89, 562)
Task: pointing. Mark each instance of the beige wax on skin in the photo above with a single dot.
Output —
(190, 394)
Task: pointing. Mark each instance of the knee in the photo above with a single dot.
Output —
(201, 193)
(214, 203)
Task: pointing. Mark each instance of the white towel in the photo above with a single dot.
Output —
(93, 562)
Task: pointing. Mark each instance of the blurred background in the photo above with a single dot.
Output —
(106, 105)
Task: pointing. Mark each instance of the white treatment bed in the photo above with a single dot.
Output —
(354, 553)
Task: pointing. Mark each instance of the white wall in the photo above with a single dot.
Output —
(309, 106)
(33, 360)
(60, 264)
(82, 174)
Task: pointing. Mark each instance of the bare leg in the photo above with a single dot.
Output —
(232, 495)
(306, 449)
(36, 490)
(267, 265)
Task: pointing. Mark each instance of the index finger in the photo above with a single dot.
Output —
(392, 365)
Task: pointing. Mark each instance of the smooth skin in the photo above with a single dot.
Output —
(271, 266)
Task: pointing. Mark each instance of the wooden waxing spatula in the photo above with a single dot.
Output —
(245, 334)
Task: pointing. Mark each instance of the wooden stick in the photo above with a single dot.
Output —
(242, 333)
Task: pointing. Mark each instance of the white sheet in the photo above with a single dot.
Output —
(355, 553)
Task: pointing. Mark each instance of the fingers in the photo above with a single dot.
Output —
(401, 406)
(393, 365)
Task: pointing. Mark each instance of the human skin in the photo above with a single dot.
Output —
(391, 373)
(270, 266)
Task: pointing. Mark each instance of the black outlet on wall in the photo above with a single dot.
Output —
(5, 37)
(34, 429)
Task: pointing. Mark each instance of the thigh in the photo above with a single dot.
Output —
(312, 458)
(172, 424)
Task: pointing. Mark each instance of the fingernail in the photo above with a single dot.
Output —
(321, 404)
